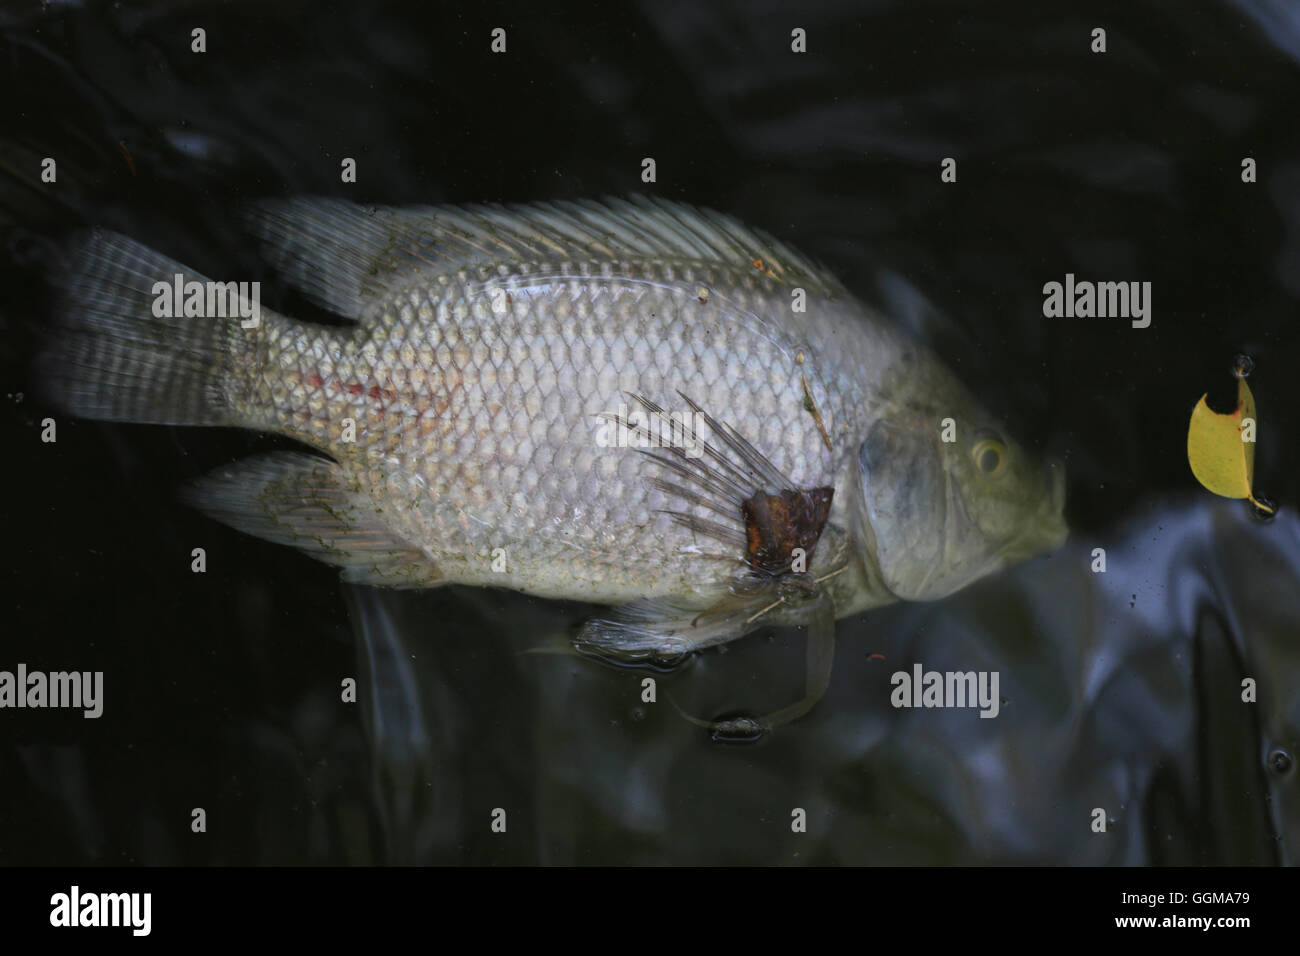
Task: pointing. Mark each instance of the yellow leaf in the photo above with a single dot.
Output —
(1220, 459)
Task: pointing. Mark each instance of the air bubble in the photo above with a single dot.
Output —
(1242, 366)
(1264, 509)
(741, 729)
(1279, 761)
(669, 655)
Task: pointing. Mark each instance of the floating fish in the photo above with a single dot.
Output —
(634, 403)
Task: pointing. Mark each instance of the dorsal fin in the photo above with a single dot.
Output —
(341, 254)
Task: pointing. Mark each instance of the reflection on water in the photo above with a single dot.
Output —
(1120, 690)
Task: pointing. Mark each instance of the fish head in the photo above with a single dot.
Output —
(939, 514)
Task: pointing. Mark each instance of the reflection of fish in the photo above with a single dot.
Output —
(466, 411)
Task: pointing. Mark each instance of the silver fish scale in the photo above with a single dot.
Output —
(476, 399)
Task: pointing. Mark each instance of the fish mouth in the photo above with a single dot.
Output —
(1055, 530)
(1049, 531)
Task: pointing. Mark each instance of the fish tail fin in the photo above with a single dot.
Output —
(114, 357)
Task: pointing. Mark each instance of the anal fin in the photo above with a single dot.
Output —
(307, 502)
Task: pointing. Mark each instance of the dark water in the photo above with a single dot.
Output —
(1122, 691)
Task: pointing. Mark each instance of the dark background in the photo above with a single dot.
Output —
(222, 690)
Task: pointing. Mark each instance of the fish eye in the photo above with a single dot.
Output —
(990, 456)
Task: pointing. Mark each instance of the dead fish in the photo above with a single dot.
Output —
(635, 403)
